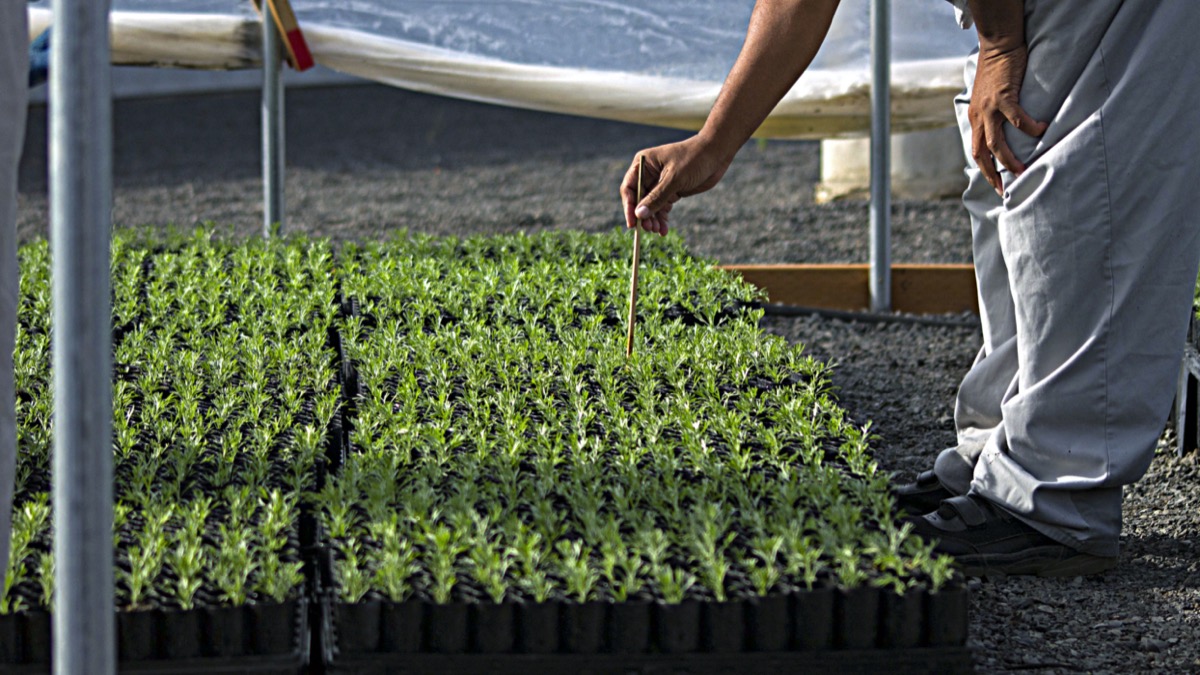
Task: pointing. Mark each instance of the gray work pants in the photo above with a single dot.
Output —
(14, 92)
(1086, 268)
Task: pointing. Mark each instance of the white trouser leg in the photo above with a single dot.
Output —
(1100, 247)
(14, 87)
(977, 410)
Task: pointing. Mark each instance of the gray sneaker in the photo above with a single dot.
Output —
(987, 540)
(921, 496)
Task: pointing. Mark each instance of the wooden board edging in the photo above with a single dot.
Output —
(916, 289)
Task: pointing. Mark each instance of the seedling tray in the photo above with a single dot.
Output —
(899, 661)
(266, 638)
(824, 628)
(450, 429)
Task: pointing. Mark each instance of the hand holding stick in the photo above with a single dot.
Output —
(633, 276)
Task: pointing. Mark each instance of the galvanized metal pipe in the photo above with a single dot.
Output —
(80, 221)
(881, 156)
(272, 126)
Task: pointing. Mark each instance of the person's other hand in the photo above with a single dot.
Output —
(671, 172)
(39, 59)
(994, 101)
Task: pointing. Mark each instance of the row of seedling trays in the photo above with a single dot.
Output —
(436, 448)
(824, 618)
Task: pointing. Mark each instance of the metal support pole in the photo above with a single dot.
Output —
(272, 125)
(881, 159)
(80, 220)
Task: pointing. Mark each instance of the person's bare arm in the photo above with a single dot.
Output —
(783, 38)
(995, 97)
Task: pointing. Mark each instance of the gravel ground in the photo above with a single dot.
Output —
(364, 161)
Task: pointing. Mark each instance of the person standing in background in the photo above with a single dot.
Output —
(1078, 124)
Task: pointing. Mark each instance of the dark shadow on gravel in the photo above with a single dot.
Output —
(217, 137)
(1163, 553)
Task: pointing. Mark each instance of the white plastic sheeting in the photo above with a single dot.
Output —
(654, 62)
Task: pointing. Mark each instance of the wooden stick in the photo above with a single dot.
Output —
(633, 275)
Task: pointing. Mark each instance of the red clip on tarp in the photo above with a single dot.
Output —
(298, 56)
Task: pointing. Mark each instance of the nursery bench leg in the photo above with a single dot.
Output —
(1186, 415)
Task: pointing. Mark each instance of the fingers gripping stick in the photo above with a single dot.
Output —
(633, 275)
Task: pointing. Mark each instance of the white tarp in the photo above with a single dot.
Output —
(654, 62)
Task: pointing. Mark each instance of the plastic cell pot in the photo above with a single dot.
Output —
(36, 636)
(812, 619)
(10, 639)
(358, 626)
(901, 618)
(537, 627)
(856, 617)
(225, 631)
(677, 626)
(582, 626)
(723, 626)
(181, 634)
(274, 627)
(768, 621)
(137, 634)
(401, 627)
(946, 613)
(628, 628)
(448, 627)
(493, 627)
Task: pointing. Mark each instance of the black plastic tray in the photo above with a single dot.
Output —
(942, 660)
(848, 630)
(272, 638)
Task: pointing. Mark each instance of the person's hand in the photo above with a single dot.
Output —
(671, 172)
(994, 101)
(39, 59)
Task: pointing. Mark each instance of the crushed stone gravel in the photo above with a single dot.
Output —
(365, 161)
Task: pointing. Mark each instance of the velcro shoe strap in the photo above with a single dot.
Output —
(927, 479)
(968, 508)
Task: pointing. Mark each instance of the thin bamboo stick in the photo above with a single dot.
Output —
(633, 274)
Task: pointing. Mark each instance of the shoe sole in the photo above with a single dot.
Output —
(1045, 561)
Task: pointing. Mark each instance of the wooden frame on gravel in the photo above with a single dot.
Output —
(916, 289)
